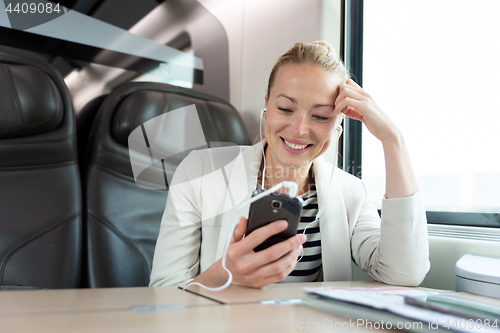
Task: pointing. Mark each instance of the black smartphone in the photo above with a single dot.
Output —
(273, 207)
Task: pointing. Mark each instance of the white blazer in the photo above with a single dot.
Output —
(208, 184)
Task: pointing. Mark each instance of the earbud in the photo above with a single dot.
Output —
(339, 129)
(264, 110)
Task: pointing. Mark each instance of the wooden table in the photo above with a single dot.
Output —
(80, 300)
(168, 309)
(250, 317)
(240, 294)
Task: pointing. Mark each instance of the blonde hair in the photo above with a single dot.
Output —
(319, 53)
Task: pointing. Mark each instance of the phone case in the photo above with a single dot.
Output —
(273, 207)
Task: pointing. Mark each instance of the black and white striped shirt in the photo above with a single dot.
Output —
(308, 267)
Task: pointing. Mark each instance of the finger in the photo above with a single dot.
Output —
(240, 230)
(348, 92)
(353, 92)
(352, 89)
(279, 251)
(249, 262)
(353, 83)
(351, 108)
(353, 114)
(259, 235)
(283, 268)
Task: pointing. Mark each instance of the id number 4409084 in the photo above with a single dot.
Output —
(471, 324)
(32, 8)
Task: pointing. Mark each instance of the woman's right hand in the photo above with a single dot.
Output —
(259, 269)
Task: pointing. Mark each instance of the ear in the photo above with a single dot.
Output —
(266, 99)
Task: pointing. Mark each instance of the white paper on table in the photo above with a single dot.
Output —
(392, 299)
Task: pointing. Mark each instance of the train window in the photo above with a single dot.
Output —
(433, 68)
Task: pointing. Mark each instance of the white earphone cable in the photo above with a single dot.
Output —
(263, 155)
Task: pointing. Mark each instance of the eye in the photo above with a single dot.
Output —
(285, 110)
(321, 118)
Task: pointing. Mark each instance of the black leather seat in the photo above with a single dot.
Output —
(40, 191)
(122, 218)
(85, 119)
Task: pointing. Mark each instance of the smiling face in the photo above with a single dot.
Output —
(300, 121)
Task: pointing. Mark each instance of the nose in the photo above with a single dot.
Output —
(299, 125)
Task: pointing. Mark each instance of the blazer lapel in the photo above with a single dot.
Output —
(335, 238)
(241, 182)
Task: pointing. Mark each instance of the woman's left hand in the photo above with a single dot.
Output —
(356, 103)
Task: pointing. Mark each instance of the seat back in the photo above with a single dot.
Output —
(40, 190)
(85, 119)
(122, 218)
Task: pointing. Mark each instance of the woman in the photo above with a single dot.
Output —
(308, 95)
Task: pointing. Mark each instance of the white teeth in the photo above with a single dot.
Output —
(294, 146)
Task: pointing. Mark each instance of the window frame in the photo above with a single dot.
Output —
(351, 51)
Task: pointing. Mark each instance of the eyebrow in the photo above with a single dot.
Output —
(314, 106)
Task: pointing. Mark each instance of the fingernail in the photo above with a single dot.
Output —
(302, 238)
(283, 224)
(345, 109)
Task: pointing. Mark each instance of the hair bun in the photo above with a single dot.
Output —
(328, 46)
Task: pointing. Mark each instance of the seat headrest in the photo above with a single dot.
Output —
(135, 110)
(31, 102)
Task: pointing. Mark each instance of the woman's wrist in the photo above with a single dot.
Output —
(394, 139)
(214, 276)
(401, 181)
